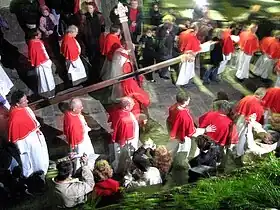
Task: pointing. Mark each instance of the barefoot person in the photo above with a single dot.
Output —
(24, 132)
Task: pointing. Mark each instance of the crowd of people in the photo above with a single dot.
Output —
(228, 129)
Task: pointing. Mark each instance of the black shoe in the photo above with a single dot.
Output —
(239, 80)
(206, 83)
(165, 77)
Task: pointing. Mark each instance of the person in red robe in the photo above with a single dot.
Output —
(252, 104)
(228, 47)
(181, 125)
(125, 130)
(130, 87)
(249, 44)
(188, 44)
(226, 134)
(24, 132)
(271, 99)
(76, 129)
(112, 42)
(43, 65)
(71, 50)
(270, 47)
(135, 18)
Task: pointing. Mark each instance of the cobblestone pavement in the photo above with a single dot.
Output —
(162, 95)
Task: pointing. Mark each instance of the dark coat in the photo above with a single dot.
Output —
(216, 55)
(149, 49)
(156, 18)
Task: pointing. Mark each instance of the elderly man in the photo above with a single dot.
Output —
(249, 44)
(24, 132)
(125, 128)
(71, 50)
(76, 129)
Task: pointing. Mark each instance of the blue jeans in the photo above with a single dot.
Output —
(211, 74)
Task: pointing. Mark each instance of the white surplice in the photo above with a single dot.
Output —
(226, 59)
(33, 150)
(243, 66)
(76, 69)
(46, 81)
(186, 73)
(5, 83)
(264, 66)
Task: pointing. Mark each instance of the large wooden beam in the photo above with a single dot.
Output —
(82, 91)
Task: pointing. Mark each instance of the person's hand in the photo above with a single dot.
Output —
(50, 32)
(210, 129)
(133, 23)
(84, 159)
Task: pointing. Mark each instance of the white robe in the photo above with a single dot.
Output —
(264, 66)
(46, 82)
(33, 150)
(243, 66)
(222, 67)
(5, 86)
(186, 73)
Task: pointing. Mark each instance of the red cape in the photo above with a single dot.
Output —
(111, 44)
(188, 41)
(69, 48)
(106, 187)
(249, 105)
(122, 125)
(21, 124)
(36, 52)
(228, 45)
(271, 99)
(73, 129)
(180, 122)
(226, 132)
(249, 42)
(271, 47)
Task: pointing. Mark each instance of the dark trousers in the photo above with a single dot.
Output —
(211, 74)
(148, 61)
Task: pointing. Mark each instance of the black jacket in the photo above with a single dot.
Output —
(216, 55)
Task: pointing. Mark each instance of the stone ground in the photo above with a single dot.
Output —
(162, 94)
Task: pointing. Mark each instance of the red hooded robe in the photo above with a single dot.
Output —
(228, 45)
(226, 132)
(111, 44)
(249, 42)
(73, 129)
(180, 122)
(69, 48)
(271, 99)
(36, 52)
(107, 187)
(249, 105)
(20, 124)
(188, 41)
(271, 47)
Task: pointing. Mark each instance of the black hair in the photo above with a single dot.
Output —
(221, 95)
(182, 96)
(65, 169)
(114, 29)
(203, 142)
(16, 96)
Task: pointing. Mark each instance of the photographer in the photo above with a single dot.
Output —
(68, 191)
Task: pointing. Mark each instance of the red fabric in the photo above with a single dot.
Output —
(122, 125)
(271, 99)
(21, 124)
(181, 123)
(76, 6)
(228, 45)
(73, 129)
(249, 42)
(131, 88)
(4, 118)
(188, 41)
(271, 47)
(133, 17)
(226, 132)
(277, 69)
(107, 187)
(111, 44)
(249, 105)
(36, 52)
(69, 48)
(102, 41)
